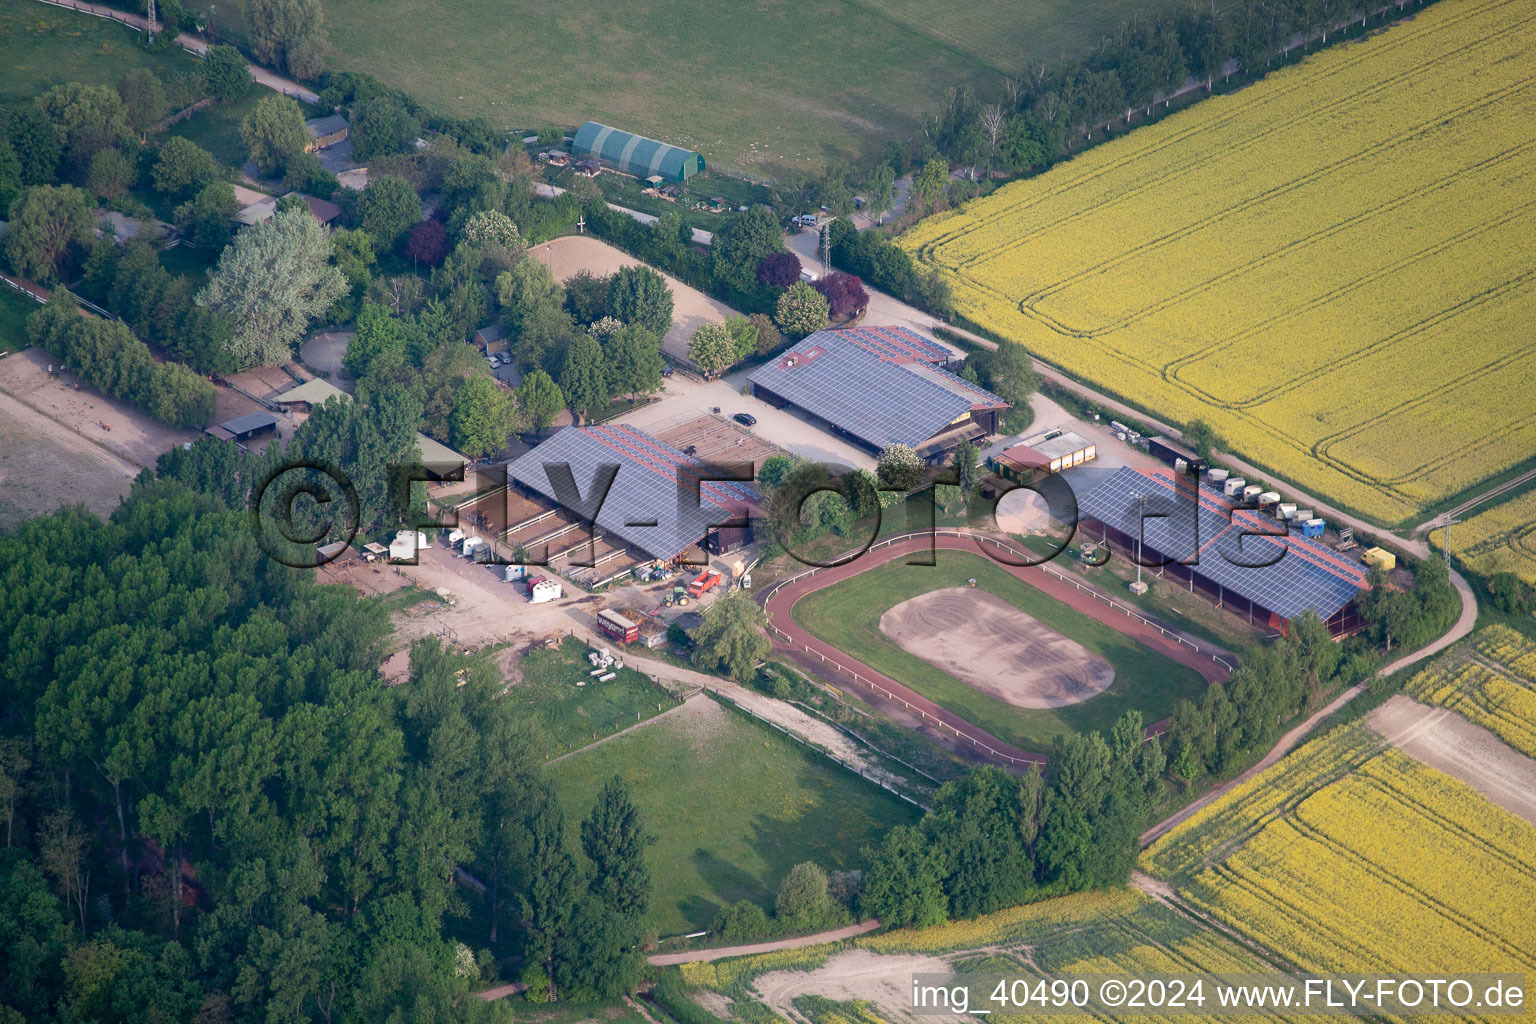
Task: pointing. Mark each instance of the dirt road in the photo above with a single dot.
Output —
(1444, 740)
(1464, 625)
(835, 935)
(192, 44)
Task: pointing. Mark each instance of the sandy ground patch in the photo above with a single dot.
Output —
(44, 465)
(323, 354)
(571, 254)
(1024, 512)
(885, 981)
(133, 436)
(987, 643)
(1444, 740)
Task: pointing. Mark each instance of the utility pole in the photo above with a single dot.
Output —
(1449, 522)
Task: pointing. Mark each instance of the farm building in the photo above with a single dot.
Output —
(1042, 455)
(880, 386)
(635, 154)
(642, 508)
(244, 428)
(308, 395)
(325, 132)
(492, 339)
(1226, 548)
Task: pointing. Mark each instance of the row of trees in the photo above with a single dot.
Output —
(106, 355)
(994, 840)
(1141, 64)
(217, 810)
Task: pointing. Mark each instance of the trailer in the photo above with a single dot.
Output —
(704, 583)
(616, 627)
(544, 590)
(514, 573)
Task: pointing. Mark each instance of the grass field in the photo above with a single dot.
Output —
(1492, 683)
(1334, 855)
(761, 87)
(570, 709)
(217, 128)
(14, 310)
(42, 46)
(847, 615)
(1498, 539)
(735, 805)
(1328, 266)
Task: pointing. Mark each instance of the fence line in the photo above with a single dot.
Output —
(806, 743)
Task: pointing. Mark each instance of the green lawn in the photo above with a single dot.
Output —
(14, 310)
(847, 615)
(762, 87)
(734, 804)
(572, 709)
(42, 46)
(217, 128)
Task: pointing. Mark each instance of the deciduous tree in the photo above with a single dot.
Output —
(801, 310)
(541, 398)
(639, 295)
(274, 133)
(274, 279)
(731, 638)
(712, 349)
(45, 222)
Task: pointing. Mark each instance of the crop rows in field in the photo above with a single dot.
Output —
(1498, 539)
(1496, 691)
(1208, 835)
(1325, 266)
(1341, 878)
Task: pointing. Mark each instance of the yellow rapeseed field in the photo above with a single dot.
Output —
(1499, 539)
(1335, 267)
(1380, 866)
(1496, 691)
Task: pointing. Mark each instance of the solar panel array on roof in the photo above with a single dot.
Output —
(1303, 575)
(892, 342)
(642, 507)
(875, 384)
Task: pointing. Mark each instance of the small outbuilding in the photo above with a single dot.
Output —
(325, 132)
(244, 428)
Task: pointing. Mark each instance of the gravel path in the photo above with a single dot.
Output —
(835, 935)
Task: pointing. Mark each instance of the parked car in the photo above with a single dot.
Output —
(746, 419)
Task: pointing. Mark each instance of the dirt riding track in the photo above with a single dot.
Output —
(789, 636)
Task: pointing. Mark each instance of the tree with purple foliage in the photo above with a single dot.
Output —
(845, 294)
(779, 269)
(428, 242)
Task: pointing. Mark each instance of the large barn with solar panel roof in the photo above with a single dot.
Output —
(1241, 559)
(656, 503)
(879, 386)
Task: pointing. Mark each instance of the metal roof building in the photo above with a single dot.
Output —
(635, 154)
(1227, 549)
(642, 507)
(880, 386)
